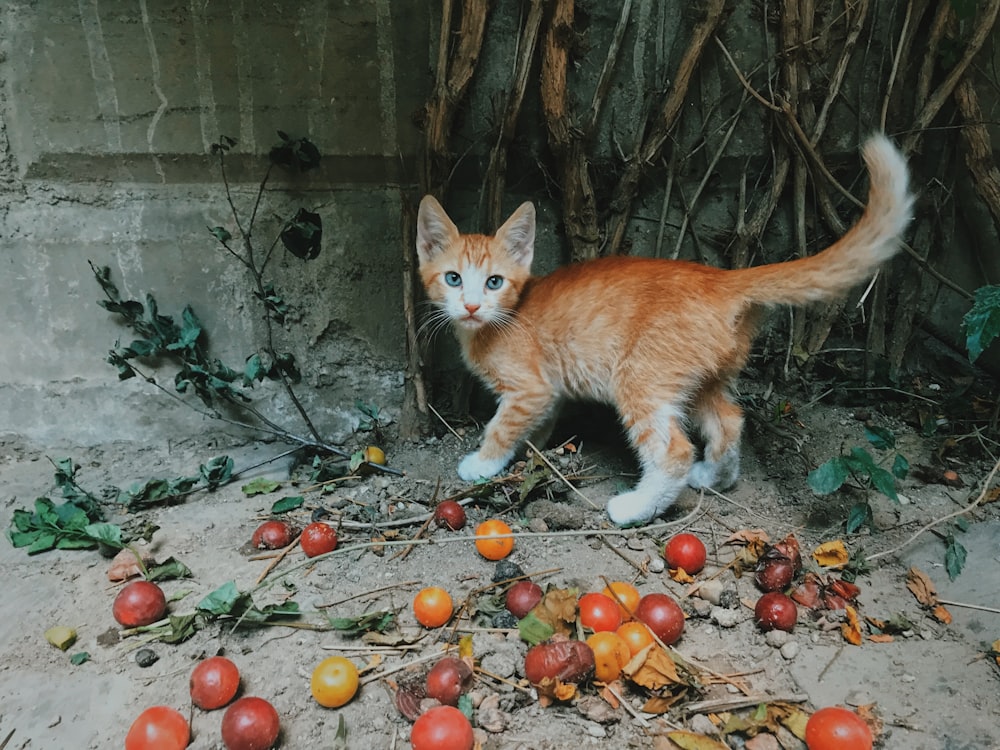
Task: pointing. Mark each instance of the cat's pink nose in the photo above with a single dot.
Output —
(472, 307)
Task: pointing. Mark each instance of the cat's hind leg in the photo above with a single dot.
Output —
(720, 422)
(665, 455)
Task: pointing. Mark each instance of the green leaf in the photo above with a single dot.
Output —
(170, 569)
(260, 486)
(859, 515)
(222, 601)
(181, 627)
(982, 322)
(355, 627)
(340, 738)
(286, 504)
(900, 467)
(533, 631)
(217, 471)
(302, 236)
(221, 234)
(860, 461)
(42, 543)
(885, 483)
(829, 477)
(954, 557)
(105, 533)
(253, 370)
(880, 437)
(79, 658)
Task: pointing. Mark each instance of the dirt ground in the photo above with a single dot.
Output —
(933, 686)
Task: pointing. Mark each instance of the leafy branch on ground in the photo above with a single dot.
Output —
(982, 323)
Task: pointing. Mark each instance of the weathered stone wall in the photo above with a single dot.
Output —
(108, 113)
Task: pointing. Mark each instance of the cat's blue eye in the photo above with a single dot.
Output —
(452, 279)
(494, 282)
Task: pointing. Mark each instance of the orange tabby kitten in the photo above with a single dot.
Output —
(662, 340)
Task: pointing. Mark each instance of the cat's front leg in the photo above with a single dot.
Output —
(517, 414)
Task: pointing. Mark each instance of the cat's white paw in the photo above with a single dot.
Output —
(655, 493)
(719, 475)
(472, 467)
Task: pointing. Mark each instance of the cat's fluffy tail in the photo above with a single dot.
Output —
(854, 257)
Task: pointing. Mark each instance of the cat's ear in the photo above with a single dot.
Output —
(435, 231)
(517, 235)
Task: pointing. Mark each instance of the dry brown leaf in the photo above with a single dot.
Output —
(660, 704)
(996, 651)
(831, 554)
(552, 689)
(608, 693)
(870, 716)
(941, 614)
(680, 575)
(748, 536)
(125, 565)
(921, 587)
(652, 668)
(851, 630)
(992, 496)
(881, 638)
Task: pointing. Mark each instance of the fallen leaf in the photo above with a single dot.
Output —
(558, 610)
(551, 690)
(851, 630)
(695, 741)
(680, 575)
(995, 650)
(748, 536)
(610, 693)
(870, 716)
(831, 554)
(660, 704)
(992, 496)
(125, 565)
(941, 614)
(881, 638)
(652, 668)
(921, 587)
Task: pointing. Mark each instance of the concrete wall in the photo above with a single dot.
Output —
(108, 109)
(107, 115)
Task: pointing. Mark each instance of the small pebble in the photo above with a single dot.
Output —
(790, 650)
(657, 565)
(725, 618)
(146, 657)
(710, 591)
(777, 638)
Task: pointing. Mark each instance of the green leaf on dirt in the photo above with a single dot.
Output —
(217, 472)
(355, 627)
(65, 526)
(170, 569)
(156, 491)
(79, 658)
(260, 486)
(286, 504)
(880, 437)
(228, 600)
(982, 323)
(900, 467)
(884, 482)
(533, 630)
(340, 738)
(954, 557)
(829, 477)
(859, 515)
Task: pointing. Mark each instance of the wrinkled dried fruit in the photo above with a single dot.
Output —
(559, 659)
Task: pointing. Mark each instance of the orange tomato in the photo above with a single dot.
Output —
(626, 595)
(494, 549)
(432, 607)
(636, 635)
(334, 681)
(611, 653)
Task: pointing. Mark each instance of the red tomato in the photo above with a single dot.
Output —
(272, 535)
(599, 612)
(139, 603)
(662, 615)
(250, 724)
(836, 728)
(442, 728)
(158, 728)
(318, 538)
(685, 551)
(214, 683)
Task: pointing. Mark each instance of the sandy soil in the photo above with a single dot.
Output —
(933, 686)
